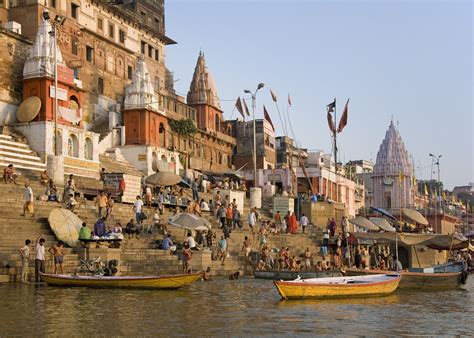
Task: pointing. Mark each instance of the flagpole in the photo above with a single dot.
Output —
(335, 145)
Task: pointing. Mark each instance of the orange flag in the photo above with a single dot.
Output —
(343, 120)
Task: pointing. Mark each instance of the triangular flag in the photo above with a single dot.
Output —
(444, 196)
(267, 117)
(425, 189)
(289, 100)
(343, 120)
(238, 105)
(331, 125)
(331, 106)
(274, 97)
(246, 108)
(452, 199)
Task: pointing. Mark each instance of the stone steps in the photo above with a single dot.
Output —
(19, 154)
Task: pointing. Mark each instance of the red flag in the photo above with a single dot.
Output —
(238, 105)
(331, 125)
(343, 120)
(274, 97)
(246, 108)
(267, 117)
(289, 100)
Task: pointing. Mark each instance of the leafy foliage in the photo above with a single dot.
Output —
(183, 127)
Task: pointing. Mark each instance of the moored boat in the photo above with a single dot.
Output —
(292, 275)
(420, 280)
(338, 287)
(137, 282)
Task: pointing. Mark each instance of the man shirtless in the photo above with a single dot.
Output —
(58, 253)
(246, 247)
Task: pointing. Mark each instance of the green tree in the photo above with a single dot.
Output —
(183, 128)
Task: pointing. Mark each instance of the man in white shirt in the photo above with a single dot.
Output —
(137, 207)
(28, 198)
(191, 242)
(25, 257)
(251, 219)
(39, 258)
(304, 222)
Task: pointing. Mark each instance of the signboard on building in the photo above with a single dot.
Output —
(283, 205)
(142, 157)
(126, 191)
(62, 93)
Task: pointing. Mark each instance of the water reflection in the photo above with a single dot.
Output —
(222, 307)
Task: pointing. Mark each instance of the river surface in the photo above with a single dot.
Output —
(247, 307)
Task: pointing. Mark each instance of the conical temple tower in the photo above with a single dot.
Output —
(202, 96)
(393, 173)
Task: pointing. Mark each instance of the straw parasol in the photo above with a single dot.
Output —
(189, 222)
(163, 178)
(363, 223)
(65, 225)
(382, 223)
(414, 216)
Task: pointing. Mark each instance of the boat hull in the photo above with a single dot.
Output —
(147, 282)
(292, 275)
(302, 290)
(418, 280)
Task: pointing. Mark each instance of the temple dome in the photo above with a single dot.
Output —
(140, 93)
(40, 62)
(392, 158)
(203, 89)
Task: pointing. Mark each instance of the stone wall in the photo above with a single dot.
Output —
(13, 51)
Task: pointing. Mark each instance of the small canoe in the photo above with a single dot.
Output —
(292, 275)
(138, 282)
(420, 280)
(338, 287)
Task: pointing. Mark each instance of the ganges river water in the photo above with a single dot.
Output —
(247, 307)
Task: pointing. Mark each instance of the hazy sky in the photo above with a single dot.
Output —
(409, 59)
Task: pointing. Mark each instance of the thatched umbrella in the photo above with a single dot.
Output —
(189, 222)
(163, 178)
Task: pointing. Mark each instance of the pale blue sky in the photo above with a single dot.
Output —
(409, 59)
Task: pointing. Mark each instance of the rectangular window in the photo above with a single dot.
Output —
(157, 84)
(74, 10)
(121, 36)
(157, 54)
(150, 51)
(143, 46)
(53, 3)
(129, 72)
(111, 31)
(100, 85)
(100, 23)
(74, 47)
(89, 51)
(76, 73)
(157, 23)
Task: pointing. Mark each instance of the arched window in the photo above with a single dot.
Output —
(73, 146)
(161, 136)
(88, 149)
(217, 122)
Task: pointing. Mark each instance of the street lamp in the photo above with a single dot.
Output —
(436, 162)
(254, 106)
(57, 22)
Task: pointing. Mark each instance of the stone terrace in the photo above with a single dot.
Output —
(136, 256)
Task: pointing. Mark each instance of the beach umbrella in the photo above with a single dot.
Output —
(382, 223)
(189, 222)
(363, 223)
(65, 225)
(163, 178)
(414, 216)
